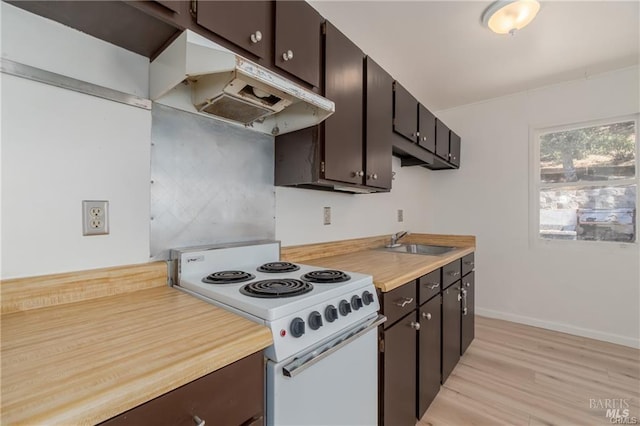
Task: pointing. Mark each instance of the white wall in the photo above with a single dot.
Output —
(300, 212)
(61, 147)
(592, 291)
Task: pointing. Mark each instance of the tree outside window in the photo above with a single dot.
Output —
(587, 182)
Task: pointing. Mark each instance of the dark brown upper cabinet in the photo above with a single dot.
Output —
(454, 149)
(298, 40)
(343, 81)
(247, 24)
(333, 155)
(426, 128)
(378, 124)
(405, 113)
(442, 140)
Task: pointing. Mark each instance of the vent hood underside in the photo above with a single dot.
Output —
(196, 75)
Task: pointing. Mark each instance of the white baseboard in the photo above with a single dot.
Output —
(564, 328)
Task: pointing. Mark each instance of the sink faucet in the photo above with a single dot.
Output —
(396, 237)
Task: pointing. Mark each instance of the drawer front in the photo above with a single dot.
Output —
(233, 395)
(468, 264)
(451, 273)
(429, 285)
(399, 302)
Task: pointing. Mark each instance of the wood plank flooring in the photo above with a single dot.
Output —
(514, 374)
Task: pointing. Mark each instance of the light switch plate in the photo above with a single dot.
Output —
(95, 217)
(400, 215)
(327, 215)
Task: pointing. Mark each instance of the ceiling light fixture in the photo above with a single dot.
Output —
(508, 16)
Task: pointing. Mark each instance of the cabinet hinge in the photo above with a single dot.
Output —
(194, 8)
(381, 345)
(323, 28)
(322, 166)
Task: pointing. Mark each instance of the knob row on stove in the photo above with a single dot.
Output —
(297, 326)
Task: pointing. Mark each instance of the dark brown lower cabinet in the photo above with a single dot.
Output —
(233, 395)
(450, 329)
(398, 373)
(428, 354)
(467, 324)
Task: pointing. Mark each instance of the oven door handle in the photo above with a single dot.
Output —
(296, 367)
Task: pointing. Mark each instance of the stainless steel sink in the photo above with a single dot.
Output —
(420, 249)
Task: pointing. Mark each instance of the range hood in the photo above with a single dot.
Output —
(197, 75)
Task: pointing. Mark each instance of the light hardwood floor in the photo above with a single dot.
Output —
(514, 374)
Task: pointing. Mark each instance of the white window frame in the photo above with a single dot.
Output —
(535, 185)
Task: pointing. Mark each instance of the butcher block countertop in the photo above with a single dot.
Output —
(390, 270)
(84, 357)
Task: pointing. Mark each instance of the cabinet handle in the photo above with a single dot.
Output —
(454, 273)
(432, 286)
(256, 37)
(287, 55)
(374, 176)
(358, 174)
(464, 302)
(405, 302)
(198, 421)
(426, 315)
(424, 138)
(469, 263)
(459, 297)
(467, 284)
(415, 325)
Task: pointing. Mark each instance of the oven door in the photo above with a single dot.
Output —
(335, 383)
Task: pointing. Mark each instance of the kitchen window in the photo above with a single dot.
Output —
(585, 181)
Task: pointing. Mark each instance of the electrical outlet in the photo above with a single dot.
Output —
(400, 215)
(327, 215)
(95, 217)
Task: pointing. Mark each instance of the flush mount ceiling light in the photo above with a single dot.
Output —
(508, 16)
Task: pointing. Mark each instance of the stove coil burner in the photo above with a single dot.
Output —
(326, 276)
(274, 267)
(228, 277)
(269, 289)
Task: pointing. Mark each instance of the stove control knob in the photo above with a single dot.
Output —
(315, 320)
(367, 298)
(331, 313)
(297, 327)
(356, 303)
(344, 307)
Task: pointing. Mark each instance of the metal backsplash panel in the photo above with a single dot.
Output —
(211, 182)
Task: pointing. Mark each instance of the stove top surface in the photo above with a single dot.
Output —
(255, 296)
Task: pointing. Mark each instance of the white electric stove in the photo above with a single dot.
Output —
(323, 324)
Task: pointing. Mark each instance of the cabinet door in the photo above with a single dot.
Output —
(344, 81)
(405, 113)
(442, 140)
(454, 148)
(298, 40)
(379, 117)
(247, 24)
(467, 329)
(427, 127)
(399, 386)
(450, 329)
(233, 395)
(428, 354)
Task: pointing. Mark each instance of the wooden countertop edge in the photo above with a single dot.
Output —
(418, 272)
(23, 294)
(180, 374)
(401, 267)
(305, 252)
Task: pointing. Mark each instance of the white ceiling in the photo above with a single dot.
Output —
(441, 53)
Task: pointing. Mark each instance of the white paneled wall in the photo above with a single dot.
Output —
(299, 212)
(61, 147)
(592, 291)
